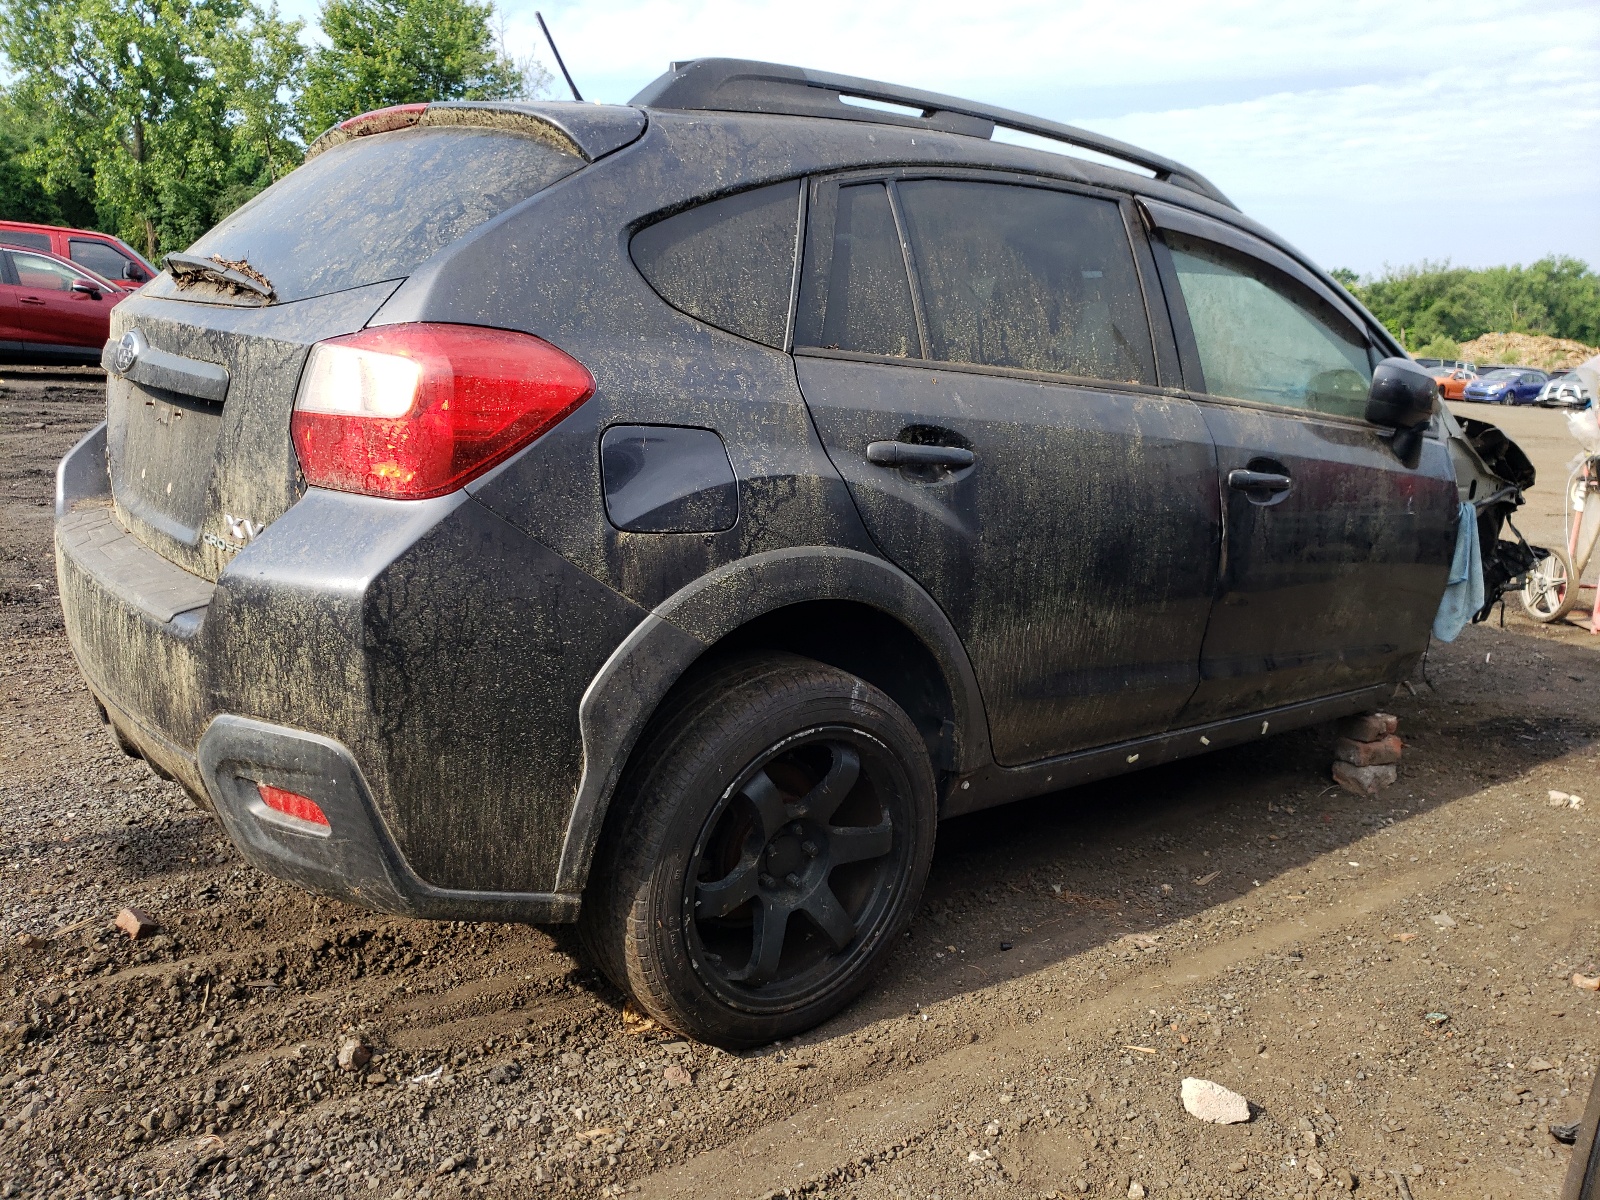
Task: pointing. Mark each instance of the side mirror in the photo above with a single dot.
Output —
(85, 288)
(132, 270)
(1403, 397)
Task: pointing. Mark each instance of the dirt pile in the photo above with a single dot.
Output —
(1527, 350)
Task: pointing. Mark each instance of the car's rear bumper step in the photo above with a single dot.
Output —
(354, 856)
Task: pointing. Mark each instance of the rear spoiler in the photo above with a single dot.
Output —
(586, 131)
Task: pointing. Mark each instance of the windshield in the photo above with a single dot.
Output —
(1500, 376)
(375, 207)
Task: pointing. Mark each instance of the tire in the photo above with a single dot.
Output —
(766, 848)
(1550, 592)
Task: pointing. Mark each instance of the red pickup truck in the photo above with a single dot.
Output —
(109, 257)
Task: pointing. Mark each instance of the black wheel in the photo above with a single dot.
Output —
(768, 843)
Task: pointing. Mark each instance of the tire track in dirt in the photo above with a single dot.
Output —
(879, 1122)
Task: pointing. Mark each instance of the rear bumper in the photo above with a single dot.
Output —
(416, 666)
(354, 857)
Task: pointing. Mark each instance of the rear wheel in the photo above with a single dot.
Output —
(1550, 592)
(770, 841)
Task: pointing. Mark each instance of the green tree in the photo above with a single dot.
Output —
(1435, 303)
(383, 52)
(170, 111)
(23, 194)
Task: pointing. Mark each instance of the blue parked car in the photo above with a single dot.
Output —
(1509, 385)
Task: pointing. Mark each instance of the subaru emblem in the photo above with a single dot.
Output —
(128, 351)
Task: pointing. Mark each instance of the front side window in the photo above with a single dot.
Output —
(864, 304)
(1027, 278)
(43, 274)
(100, 258)
(1262, 338)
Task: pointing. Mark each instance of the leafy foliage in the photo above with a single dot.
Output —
(153, 119)
(161, 111)
(1433, 307)
(383, 52)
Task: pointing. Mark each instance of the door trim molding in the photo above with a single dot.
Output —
(996, 785)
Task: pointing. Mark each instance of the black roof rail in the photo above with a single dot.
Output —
(740, 85)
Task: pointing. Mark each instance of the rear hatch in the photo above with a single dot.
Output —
(201, 459)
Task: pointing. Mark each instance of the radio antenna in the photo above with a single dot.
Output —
(539, 16)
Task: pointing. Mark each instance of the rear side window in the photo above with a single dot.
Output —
(863, 304)
(375, 207)
(1263, 338)
(99, 258)
(18, 237)
(1027, 278)
(729, 263)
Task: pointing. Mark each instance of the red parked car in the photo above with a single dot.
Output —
(51, 310)
(108, 257)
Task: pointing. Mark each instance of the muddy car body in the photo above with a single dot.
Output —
(805, 564)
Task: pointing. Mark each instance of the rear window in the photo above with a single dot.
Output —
(17, 237)
(730, 262)
(376, 207)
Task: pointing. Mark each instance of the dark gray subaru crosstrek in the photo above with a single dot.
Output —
(660, 516)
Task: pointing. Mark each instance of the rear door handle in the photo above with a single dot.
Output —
(907, 454)
(1269, 482)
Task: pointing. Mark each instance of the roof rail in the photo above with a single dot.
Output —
(739, 85)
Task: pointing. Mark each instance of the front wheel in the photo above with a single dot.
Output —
(768, 844)
(1551, 591)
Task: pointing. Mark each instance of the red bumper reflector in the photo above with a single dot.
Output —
(291, 804)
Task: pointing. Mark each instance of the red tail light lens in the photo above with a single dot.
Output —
(291, 804)
(412, 411)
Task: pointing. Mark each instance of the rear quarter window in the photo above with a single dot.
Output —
(376, 207)
(730, 262)
(18, 237)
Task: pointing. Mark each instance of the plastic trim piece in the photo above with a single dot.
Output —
(741, 85)
(626, 691)
(995, 785)
(133, 357)
(127, 568)
(82, 474)
(356, 858)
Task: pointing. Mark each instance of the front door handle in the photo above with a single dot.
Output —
(908, 454)
(32, 300)
(1258, 482)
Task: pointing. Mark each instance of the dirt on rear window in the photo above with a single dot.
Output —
(376, 207)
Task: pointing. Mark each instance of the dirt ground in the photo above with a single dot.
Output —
(1386, 980)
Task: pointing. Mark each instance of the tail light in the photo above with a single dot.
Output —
(412, 411)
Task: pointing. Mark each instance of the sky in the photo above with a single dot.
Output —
(1370, 133)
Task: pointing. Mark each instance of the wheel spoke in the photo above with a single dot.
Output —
(771, 923)
(823, 801)
(767, 800)
(721, 897)
(824, 909)
(851, 843)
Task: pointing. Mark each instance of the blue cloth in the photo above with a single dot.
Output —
(1463, 593)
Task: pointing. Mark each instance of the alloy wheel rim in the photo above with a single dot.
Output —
(795, 872)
